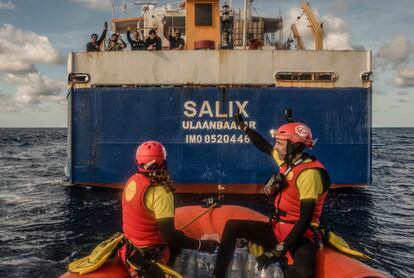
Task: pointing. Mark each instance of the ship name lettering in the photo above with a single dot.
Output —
(215, 110)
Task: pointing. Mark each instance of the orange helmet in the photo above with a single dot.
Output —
(151, 156)
(295, 132)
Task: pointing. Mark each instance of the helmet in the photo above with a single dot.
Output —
(151, 156)
(296, 133)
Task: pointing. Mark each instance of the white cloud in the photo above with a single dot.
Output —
(336, 30)
(96, 4)
(404, 78)
(20, 50)
(398, 51)
(7, 5)
(32, 91)
(7, 103)
(337, 35)
(379, 91)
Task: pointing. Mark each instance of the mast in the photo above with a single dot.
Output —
(244, 23)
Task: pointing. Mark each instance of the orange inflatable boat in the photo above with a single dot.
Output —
(330, 263)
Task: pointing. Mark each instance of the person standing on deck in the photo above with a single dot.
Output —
(114, 45)
(136, 42)
(254, 44)
(153, 42)
(176, 42)
(148, 212)
(95, 43)
(300, 189)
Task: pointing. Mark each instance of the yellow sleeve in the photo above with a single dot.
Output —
(159, 201)
(309, 184)
(276, 158)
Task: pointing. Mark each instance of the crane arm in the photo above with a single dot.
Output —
(298, 38)
(315, 25)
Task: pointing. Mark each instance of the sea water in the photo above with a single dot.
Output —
(44, 223)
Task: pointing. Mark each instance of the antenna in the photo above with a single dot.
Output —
(280, 10)
(124, 8)
(281, 27)
(113, 12)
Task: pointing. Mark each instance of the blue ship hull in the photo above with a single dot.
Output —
(196, 126)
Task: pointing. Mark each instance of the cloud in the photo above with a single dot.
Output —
(7, 5)
(7, 104)
(95, 4)
(336, 30)
(379, 91)
(404, 78)
(358, 47)
(337, 34)
(32, 91)
(398, 51)
(20, 50)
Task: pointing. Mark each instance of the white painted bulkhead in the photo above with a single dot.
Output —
(218, 67)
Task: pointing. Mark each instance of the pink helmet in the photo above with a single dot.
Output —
(295, 132)
(151, 156)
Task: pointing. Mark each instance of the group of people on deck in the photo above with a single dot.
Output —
(116, 43)
(299, 191)
(152, 42)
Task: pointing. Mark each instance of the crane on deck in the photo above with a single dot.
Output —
(315, 25)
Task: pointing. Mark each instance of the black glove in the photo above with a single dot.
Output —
(106, 25)
(238, 118)
(267, 258)
(208, 246)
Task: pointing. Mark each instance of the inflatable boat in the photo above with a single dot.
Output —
(330, 263)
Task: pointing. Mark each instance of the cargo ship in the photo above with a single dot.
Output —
(187, 99)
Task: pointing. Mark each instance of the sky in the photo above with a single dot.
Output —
(36, 37)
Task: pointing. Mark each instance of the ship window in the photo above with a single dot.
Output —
(305, 76)
(326, 76)
(203, 14)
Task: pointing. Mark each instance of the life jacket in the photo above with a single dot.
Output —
(139, 224)
(287, 201)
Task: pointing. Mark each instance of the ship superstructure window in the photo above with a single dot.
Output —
(203, 14)
(306, 76)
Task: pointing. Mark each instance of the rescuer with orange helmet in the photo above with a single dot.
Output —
(148, 212)
(300, 189)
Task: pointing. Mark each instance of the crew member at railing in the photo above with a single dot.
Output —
(254, 43)
(176, 42)
(114, 45)
(95, 43)
(135, 42)
(153, 42)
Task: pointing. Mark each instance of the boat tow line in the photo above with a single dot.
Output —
(213, 205)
